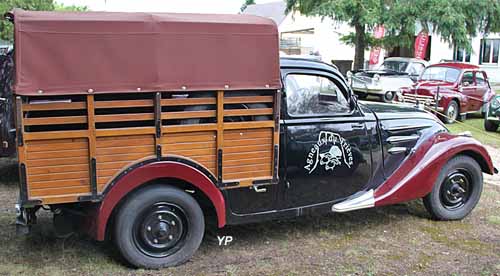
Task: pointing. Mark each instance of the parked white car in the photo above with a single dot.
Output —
(394, 73)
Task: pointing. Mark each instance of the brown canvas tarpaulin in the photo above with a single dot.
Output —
(73, 53)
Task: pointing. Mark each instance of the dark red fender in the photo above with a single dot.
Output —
(148, 172)
(416, 176)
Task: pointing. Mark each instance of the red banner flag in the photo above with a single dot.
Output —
(378, 32)
(421, 43)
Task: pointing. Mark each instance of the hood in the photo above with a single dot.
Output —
(371, 73)
(395, 111)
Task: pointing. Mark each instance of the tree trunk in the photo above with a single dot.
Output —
(359, 50)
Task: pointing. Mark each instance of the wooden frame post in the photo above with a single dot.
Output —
(220, 135)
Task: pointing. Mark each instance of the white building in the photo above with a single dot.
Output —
(303, 35)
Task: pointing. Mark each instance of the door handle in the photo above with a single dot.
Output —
(357, 126)
(258, 189)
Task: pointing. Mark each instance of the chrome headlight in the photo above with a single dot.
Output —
(349, 74)
(376, 78)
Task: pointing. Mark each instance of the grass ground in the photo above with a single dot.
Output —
(475, 124)
(392, 240)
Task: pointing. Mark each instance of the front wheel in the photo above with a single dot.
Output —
(490, 126)
(388, 97)
(451, 112)
(457, 189)
(159, 226)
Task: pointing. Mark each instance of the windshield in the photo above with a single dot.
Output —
(394, 65)
(447, 74)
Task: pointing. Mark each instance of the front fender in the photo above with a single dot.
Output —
(148, 172)
(417, 174)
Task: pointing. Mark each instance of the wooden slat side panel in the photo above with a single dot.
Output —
(115, 153)
(57, 168)
(247, 153)
(198, 146)
(54, 106)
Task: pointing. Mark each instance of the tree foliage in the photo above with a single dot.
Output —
(246, 4)
(456, 21)
(6, 28)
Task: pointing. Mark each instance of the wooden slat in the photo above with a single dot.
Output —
(248, 112)
(52, 135)
(189, 145)
(55, 120)
(251, 148)
(204, 159)
(58, 169)
(54, 106)
(249, 161)
(148, 149)
(187, 101)
(56, 162)
(31, 148)
(189, 128)
(248, 99)
(58, 176)
(193, 152)
(56, 142)
(60, 191)
(188, 114)
(174, 138)
(47, 200)
(124, 131)
(123, 103)
(247, 155)
(120, 157)
(57, 154)
(252, 167)
(34, 185)
(243, 125)
(246, 134)
(131, 141)
(124, 117)
(247, 142)
(103, 180)
(101, 173)
(113, 165)
(241, 175)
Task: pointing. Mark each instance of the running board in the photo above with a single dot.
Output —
(355, 202)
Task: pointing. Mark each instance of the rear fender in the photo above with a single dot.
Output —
(416, 176)
(145, 172)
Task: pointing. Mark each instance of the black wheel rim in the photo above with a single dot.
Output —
(456, 189)
(160, 230)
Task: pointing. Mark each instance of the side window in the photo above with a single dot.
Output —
(313, 95)
(468, 79)
(480, 79)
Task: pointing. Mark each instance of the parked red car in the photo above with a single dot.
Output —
(453, 89)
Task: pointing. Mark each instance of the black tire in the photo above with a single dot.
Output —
(446, 201)
(388, 96)
(159, 226)
(452, 113)
(490, 126)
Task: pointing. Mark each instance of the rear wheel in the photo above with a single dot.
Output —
(159, 226)
(490, 125)
(457, 189)
(361, 95)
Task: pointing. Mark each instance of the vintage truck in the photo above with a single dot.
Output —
(143, 128)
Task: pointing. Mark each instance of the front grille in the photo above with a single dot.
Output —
(422, 99)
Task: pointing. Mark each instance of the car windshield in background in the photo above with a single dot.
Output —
(441, 74)
(395, 66)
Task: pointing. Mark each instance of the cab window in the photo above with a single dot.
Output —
(468, 79)
(416, 69)
(480, 79)
(314, 95)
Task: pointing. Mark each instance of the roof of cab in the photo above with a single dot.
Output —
(292, 62)
(458, 65)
